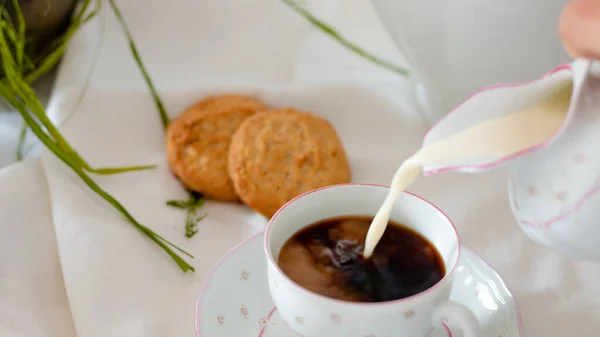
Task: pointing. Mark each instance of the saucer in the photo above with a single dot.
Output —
(235, 298)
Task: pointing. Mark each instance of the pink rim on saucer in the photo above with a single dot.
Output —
(209, 277)
(250, 239)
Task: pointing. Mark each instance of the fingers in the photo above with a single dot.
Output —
(579, 28)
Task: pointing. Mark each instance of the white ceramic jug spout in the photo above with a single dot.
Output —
(554, 184)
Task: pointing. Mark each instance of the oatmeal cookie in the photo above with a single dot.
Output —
(278, 154)
(198, 143)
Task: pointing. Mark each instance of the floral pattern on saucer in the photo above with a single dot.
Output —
(235, 299)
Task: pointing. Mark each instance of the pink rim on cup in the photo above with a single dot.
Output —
(314, 315)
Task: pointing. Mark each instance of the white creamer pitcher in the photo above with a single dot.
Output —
(554, 186)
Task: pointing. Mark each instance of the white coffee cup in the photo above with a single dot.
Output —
(314, 315)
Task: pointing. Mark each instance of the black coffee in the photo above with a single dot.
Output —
(326, 258)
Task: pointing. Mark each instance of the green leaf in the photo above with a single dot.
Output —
(16, 91)
(192, 220)
(185, 204)
(193, 205)
(51, 58)
(21, 145)
(195, 201)
(138, 59)
(162, 242)
(342, 40)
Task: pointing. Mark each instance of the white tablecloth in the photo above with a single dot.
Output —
(70, 266)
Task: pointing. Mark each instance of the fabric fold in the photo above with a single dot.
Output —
(33, 302)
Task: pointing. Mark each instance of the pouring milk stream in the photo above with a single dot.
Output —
(501, 136)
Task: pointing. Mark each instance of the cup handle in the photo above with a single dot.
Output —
(459, 313)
